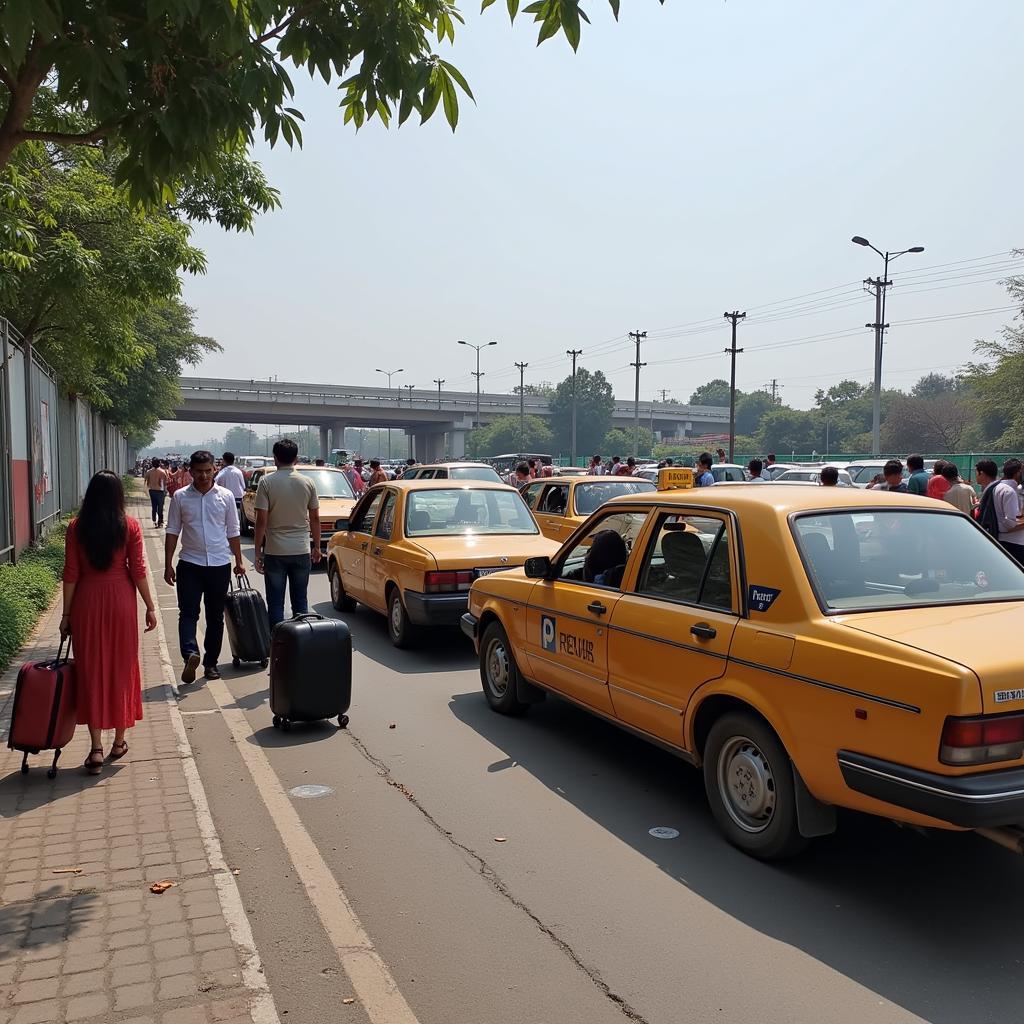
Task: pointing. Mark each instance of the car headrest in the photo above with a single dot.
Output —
(419, 520)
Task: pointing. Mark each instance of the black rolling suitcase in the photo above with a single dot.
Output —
(245, 618)
(310, 670)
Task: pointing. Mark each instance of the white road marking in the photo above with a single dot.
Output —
(262, 1009)
(373, 983)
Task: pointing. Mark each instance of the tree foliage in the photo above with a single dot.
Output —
(176, 83)
(619, 441)
(714, 393)
(502, 436)
(938, 423)
(595, 405)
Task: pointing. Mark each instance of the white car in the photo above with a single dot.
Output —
(862, 473)
(811, 476)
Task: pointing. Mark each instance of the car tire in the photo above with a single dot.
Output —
(403, 633)
(499, 674)
(341, 601)
(748, 779)
(244, 527)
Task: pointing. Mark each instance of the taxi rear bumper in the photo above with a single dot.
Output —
(435, 609)
(981, 800)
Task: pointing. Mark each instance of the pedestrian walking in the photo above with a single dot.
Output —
(104, 570)
(156, 484)
(959, 493)
(596, 467)
(829, 476)
(937, 482)
(626, 468)
(1000, 505)
(377, 475)
(721, 455)
(613, 466)
(287, 515)
(204, 516)
(231, 478)
(918, 480)
(705, 478)
(892, 477)
(754, 468)
(520, 476)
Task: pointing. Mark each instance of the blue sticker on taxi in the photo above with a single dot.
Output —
(761, 598)
(547, 633)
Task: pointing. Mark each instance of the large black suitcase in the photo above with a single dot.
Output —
(310, 670)
(245, 618)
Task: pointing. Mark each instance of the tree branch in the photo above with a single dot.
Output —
(6, 80)
(299, 12)
(67, 138)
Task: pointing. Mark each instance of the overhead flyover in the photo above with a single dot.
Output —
(437, 422)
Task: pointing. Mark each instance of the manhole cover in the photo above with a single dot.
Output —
(308, 792)
(663, 832)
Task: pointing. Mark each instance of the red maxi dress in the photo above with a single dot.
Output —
(105, 632)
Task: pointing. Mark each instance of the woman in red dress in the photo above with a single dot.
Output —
(104, 566)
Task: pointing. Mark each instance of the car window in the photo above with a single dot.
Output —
(531, 494)
(731, 473)
(365, 517)
(476, 473)
(467, 511)
(257, 475)
(555, 500)
(599, 557)
(329, 484)
(866, 560)
(688, 561)
(386, 518)
(589, 497)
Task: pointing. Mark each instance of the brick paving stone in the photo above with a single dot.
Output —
(186, 1015)
(87, 1006)
(37, 1013)
(131, 996)
(128, 957)
(179, 986)
(79, 984)
(33, 991)
(38, 969)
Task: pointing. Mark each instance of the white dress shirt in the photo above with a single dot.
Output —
(233, 479)
(1007, 505)
(204, 522)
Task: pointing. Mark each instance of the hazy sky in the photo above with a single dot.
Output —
(694, 158)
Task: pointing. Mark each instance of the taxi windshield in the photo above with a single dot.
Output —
(329, 485)
(463, 511)
(862, 561)
(591, 496)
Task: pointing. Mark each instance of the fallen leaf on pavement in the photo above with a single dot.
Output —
(500, 839)
(162, 886)
(66, 871)
(348, 1001)
(392, 725)
(236, 872)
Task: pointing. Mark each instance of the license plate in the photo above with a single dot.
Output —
(497, 568)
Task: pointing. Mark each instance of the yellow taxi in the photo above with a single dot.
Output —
(561, 503)
(332, 488)
(413, 548)
(807, 648)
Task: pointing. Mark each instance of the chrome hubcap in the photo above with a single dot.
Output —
(497, 668)
(746, 784)
(335, 587)
(396, 616)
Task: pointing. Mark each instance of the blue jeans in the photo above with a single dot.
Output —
(156, 500)
(292, 570)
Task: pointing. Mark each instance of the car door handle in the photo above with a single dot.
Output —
(596, 607)
(703, 631)
(377, 551)
(365, 545)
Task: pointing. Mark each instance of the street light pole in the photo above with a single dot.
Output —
(734, 317)
(637, 336)
(439, 381)
(389, 374)
(573, 353)
(879, 287)
(478, 374)
(522, 406)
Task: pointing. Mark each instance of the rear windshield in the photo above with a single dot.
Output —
(329, 485)
(475, 473)
(463, 511)
(590, 497)
(859, 561)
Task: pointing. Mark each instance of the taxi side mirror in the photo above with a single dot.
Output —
(538, 567)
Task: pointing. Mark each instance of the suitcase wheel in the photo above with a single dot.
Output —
(263, 662)
(24, 768)
(51, 773)
(236, 663)
(342, 721)
(286, 725)
(276, 722)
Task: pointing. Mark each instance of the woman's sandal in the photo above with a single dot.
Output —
(124, 750)
(91, 766)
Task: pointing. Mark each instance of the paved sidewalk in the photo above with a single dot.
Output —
(94, 944)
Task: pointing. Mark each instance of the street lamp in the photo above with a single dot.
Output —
(389, 374)
(879, 286)
(478, 374)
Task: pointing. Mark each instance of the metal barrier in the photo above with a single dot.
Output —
(50, 445)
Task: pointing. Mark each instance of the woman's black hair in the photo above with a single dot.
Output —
(101, 526)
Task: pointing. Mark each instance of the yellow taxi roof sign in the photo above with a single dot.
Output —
(674, 477)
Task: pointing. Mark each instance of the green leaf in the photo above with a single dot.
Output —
(513, 9)
(571, 23)
(455, 73)
(615, 8)
(405, 108)
(485, 4)
(451, 101)
(17, 25)
(552, 23)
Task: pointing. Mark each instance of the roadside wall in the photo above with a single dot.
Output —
(50, 446)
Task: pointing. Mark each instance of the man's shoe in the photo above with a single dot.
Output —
(189, 674)
(212, 672)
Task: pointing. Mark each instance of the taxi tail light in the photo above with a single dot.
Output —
(447, 582)
(982, 739)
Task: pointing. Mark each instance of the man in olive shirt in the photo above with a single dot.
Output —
(287, 514)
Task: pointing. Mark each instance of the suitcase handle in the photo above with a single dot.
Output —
(63, 657)
(240, 582)
(303, 616)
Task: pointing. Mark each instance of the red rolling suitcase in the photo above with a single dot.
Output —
(44, 712)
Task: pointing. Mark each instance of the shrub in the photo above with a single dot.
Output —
(26, 590)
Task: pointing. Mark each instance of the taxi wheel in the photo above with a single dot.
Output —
(341, 601)
(244, 528)
(749, 784)
(403, 633)
(499, 674)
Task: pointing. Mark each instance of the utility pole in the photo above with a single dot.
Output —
(664, 393)
(776, 388)
(734, 318)
(439, 381)
(521, 367)
(637, 336)
(573, 353)
(409, 388)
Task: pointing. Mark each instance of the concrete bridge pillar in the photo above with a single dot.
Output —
(428, 447)
(457, 443)
(337, 434)
(325, 443)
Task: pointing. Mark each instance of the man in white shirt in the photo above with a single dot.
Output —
(596, 466)
(231, 478)
(1006, 500)
(204, 516)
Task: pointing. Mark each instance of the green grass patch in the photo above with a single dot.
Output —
(26, 590)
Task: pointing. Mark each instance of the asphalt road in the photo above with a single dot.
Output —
(580, 915)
